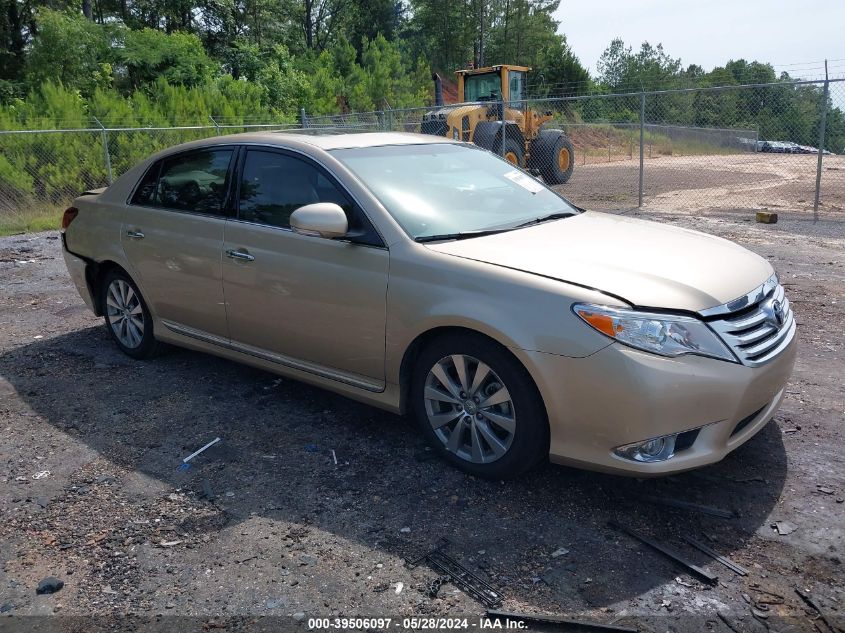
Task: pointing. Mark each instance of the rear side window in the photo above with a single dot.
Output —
(195, 182)
(146, 192)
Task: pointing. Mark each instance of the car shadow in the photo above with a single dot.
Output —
(543, 538)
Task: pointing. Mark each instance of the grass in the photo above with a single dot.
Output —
(30, 220)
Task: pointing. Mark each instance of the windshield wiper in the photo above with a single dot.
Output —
(546, 218)
(465, 235)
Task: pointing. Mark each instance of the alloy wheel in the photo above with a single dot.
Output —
(125, 314)
(469, 408)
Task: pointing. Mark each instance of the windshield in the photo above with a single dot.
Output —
(442, 189)
(482, 87)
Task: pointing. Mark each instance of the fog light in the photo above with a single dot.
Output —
(657, 449)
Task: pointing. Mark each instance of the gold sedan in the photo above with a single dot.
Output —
(433, 278)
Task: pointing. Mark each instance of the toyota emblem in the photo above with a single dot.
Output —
(774, 313)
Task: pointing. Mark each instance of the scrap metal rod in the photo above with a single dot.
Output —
(727, 562)
(686, 505)
(554, 619)
(694, 570)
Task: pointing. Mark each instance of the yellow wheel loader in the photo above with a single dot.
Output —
(488, 96)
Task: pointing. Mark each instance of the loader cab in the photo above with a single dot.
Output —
(493, 83)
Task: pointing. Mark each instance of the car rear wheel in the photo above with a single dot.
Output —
(127, 317)
(478, 407)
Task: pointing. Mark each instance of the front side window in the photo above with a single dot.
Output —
(441, 188)
(274, 185)
(193, 181)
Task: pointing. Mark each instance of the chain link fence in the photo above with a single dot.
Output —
(41, 171)
(770, 146)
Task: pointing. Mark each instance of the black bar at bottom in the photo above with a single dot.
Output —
(554, 619)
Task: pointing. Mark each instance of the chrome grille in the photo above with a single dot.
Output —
(750, 325)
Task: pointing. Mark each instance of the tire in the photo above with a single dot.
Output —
(499, 441)
(553, 155)
(128, 320)
(514, 151)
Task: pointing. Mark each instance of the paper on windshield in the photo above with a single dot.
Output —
(524, 180)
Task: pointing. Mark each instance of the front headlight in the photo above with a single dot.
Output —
(664, 334)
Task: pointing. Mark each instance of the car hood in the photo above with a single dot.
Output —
(647, 264)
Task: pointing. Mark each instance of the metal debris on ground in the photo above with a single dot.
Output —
(727, 622)
(458, 575)
(687, 505)
(784, 527)
(185, 465)
(433, 588)
(727, 562)
(692, 569)
(746, 480)
(577, 625)
(334, 457)
(773, 598)
(42, 474)
(807, 598)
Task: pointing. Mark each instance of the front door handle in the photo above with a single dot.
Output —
(135, 235)
(241, 255)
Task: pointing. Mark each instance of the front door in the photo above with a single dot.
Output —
(173, 239)
(310, 303)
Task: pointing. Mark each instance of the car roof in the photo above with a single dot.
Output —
(366, 139)
(305, 139)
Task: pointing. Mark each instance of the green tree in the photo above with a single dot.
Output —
(70, 50)
(149, 55)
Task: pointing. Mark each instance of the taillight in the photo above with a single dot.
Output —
(68, 217)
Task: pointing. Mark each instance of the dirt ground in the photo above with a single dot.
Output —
(267, 524)
(777, 182)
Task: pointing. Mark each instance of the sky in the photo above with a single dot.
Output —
(794, 36)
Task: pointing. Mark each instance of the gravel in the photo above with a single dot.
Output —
(290, 532)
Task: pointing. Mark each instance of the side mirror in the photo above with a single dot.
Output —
(321, 219)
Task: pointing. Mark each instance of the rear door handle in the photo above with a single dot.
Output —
(241, 255)
(135, 235)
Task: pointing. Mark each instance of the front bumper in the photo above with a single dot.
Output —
(76, 268)
(620, 395)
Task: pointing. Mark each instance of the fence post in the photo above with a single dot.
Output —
(106, 157)
(642, 139)
(822, 126)
(303, 118)
(216, 127)
(504, 126)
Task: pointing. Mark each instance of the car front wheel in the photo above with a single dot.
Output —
(479, 407)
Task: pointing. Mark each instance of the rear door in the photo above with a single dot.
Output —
(310, 303)
(173, 238)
